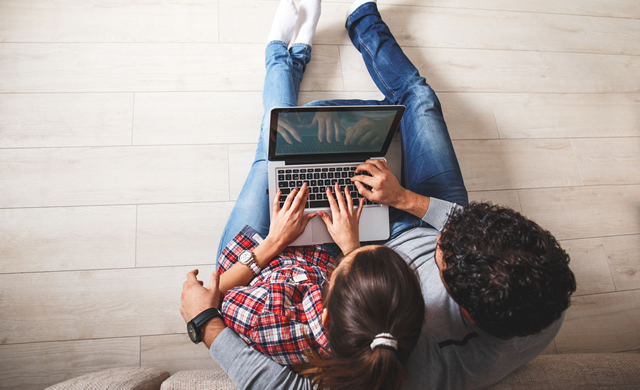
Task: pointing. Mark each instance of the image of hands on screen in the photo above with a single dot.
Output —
(329, 132)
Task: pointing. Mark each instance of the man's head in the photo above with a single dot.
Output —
(508, 273)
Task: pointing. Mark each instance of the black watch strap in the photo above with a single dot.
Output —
(195, 325)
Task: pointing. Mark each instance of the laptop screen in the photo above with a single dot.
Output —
(332, 133)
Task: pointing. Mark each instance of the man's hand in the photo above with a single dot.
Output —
(196, 298)
(367, 132)
(385, 188)
(344, 228)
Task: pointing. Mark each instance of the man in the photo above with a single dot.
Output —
(495, 284)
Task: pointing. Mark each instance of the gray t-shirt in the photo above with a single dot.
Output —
(451, 352)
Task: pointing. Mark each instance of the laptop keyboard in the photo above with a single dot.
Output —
(318, 179)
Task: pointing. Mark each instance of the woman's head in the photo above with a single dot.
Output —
(372, 291)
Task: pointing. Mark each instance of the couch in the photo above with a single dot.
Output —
(548, 372)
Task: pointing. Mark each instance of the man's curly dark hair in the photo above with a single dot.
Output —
(511, 275)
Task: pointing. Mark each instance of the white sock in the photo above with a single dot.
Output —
(308, 16)
(284, 22)
(356, 4)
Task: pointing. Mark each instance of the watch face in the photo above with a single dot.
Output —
(193, 332)
(245, 257)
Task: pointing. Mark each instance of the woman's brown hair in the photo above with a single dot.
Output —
(377, 292)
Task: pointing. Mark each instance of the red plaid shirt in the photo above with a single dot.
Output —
(281, 305)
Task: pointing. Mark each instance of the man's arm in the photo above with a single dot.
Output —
(386, 189)
(250, 369)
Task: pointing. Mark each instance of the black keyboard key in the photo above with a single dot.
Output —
(299, 183)
(296, 170)
(283, 184)
(323, 175)
(288, 171)
(317, 170)
(345, 174)
(287, 177)
(321, 189)
(330, 175)
(332, 169)
(327, 182)
(312, 196)
(292, 184)
(313, 183)
(280, 171)
(315, 190)
(316, 175)
(341, 182)
(353, 168)
(285, 191)
(295, 176)
(352, 174)
(280, 177)
(339, 169)
(319, 203)
(354, 194)
(325, 169)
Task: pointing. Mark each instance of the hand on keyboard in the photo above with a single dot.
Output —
(377, 183)
(344, 223)
(288, 222)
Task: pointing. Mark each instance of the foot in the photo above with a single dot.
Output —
(308, 16)
(284, 22)
(356, 4)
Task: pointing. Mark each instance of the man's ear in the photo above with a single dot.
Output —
(325, 317)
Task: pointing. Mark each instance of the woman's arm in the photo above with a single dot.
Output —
(287, 224)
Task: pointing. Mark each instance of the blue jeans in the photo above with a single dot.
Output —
(429, 163)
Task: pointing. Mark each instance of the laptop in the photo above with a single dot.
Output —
(296, 156)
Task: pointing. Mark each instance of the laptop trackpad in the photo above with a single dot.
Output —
(319, 230)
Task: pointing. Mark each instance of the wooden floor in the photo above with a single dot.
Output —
(123, 146)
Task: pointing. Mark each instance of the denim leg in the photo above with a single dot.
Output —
(429, 163)
(282, 83)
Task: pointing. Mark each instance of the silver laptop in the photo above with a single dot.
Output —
(296, 156)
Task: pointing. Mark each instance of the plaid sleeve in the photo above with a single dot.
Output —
(247, 239)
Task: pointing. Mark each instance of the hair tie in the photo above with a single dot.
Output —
(384, 340)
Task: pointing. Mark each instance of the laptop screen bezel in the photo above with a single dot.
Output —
(331, 157)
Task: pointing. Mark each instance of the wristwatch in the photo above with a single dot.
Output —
(195, 325)
(249, 259)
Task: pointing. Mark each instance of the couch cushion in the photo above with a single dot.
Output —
(577, 371)
(124, 378)
(199, 380)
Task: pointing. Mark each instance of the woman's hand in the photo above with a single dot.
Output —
(329, 126)
(344, 228)
(288, 222)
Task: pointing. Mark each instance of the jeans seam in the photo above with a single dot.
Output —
(362, 45)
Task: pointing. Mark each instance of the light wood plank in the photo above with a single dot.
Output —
(584, 212)
(624, 259)
(458, 70)
(584, 34)
(497, 165)
(508, 198)
(590, 266)
(175, 353)
(241, 158)
(468, 115)
(180, 234)
(33, 120)
(107, 176)
(197, 118)
(63, 306)
(566, 115)
(601, 323)
(616, 8)
(108, 21)
(87, 67)
(441, 27)
(36, 366)
(74, 238)
(608, 160)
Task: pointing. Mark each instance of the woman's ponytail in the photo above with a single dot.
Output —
(376, 310)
